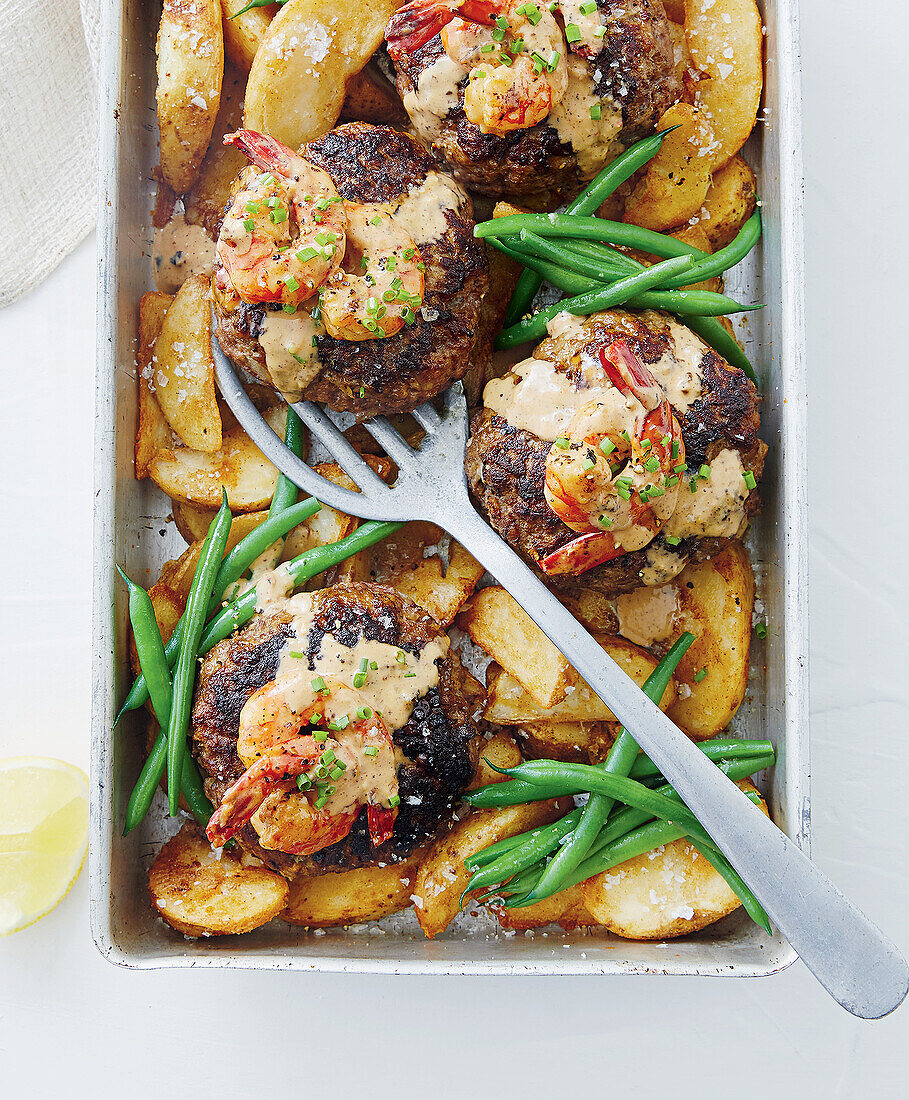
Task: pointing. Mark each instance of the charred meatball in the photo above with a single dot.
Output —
(714, 405)
(519, 100)
(316, 640)
(370, 298)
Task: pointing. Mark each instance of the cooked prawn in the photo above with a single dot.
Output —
(381, 285)
(615, 485)
(515, 54)
(345, 762)
(285, 230)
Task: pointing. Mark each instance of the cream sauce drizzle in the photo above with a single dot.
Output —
(421, 212)
(291, 355)
(436, 94)
(593, 140)
(717, 508)
(180, 250)
(648, 615)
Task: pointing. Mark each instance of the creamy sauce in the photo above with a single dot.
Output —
(717, 508)
(291, 355)
(593, 139)
(662, 564)
(679, 372)
(648, 615)
(421, 212)
(181, 250)
(436, 94)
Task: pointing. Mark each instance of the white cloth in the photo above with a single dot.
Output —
(48, 135)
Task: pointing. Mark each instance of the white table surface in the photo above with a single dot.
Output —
(72, 1025)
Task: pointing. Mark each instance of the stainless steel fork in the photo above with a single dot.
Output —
(848, 955)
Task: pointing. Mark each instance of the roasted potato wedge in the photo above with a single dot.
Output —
(369, 97)
(592, 609)
(205, 201)
(502, 751)
(729, 203)
(576, 742)
(153, 433)
(442, 877)
(351, 897)
(243, 33)
(194, 477)
(725, 41)
(671, 891)
(497, 623)
(190, 52)
(675, 183)
(178, 574)
(327, 525)
(300, 73)
(717, 609)
(184, 370)
(200, 894)
(510, 705)
(413, 562)
(565, 908)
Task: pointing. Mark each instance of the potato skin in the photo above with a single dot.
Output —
(351, 897)
(729, 203)
(190, 50)
(201, 895)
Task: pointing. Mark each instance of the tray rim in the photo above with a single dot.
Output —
(793, 515)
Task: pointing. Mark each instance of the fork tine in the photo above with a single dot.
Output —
(395, 445)
(346, 456)
(427, 417)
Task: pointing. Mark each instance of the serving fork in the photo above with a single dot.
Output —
(849, 956)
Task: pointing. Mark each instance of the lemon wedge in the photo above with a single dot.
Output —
(43, 836)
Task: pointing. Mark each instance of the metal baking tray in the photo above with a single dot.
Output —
(130, 528)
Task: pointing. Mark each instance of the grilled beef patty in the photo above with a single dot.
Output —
(439, 739)
(377, 164)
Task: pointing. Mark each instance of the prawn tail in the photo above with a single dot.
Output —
(412, 26)
(629, 375)
(580, 554)
(265, 152)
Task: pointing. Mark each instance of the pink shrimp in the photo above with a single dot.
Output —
(616, 488)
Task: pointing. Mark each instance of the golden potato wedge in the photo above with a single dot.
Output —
(153, 433)
(497, 623)
(327, 525)
(370, 97)
(243, 33)
(300, 73)
(195, 477)
(178, 574)
(413, 562)
(565, 908)
(671, 891)
(510, 705)
(502, 751)
(192, 522)
(442, 877)
(717, 609)
(675, 182)
(190, 52)
(205, 201)
(351, 897)
(576, 742)
(200, 894)
(725, 41)
(729, 202)
(592, 609)
(184, 370)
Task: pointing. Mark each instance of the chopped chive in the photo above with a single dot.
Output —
(487, 47)
(364, 712)
(318, 684)
(704, 471)
(371, 750)
(588, 7)
(374, 665)
(652, 464)
(328, 757)
(401, 657)
(596, 112)
(675, 449)
(599, 32)
(680, 467)
(606, 446)
(501, 22)
(605, 521)
(278, 216)
(761, 630)
(572, 33)
(249, 225)
(588, 464)
(672, 540)
(291, 283)
(624, 434)
(315, 720)
(395, 800)
(553, 61)
(505, 60)
(698, 676)
(295, 653)
(337, 771)
(289, 307)
(750, 479)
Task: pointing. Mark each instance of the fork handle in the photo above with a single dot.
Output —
(857, 965)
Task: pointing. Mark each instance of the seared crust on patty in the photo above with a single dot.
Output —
(506, 465)
(377, 164)
(439, 739)
(634, 69)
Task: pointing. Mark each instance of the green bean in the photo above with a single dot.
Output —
(589, 229)
(537, 844)
(597, 191)
(600, 270)
(233, 567)
(622, 755)
(286, 491)
(627, 291)
(719, 748)
(153, 663)
(596, 250)
(502, 847)
(568, 281)
(185, 669)
(712, 332)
